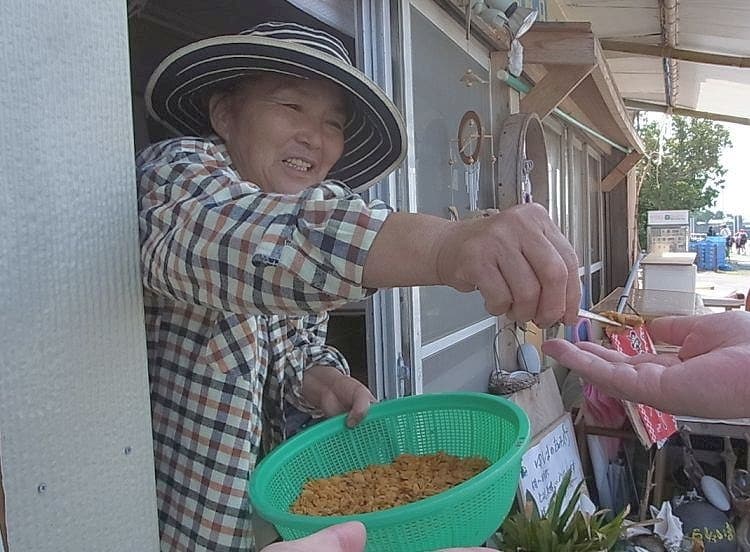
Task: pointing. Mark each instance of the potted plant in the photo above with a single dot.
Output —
(563, 528)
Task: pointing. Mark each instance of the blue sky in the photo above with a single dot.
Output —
(735, 198)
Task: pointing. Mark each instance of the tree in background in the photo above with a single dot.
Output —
(704, 215)
(683, 169)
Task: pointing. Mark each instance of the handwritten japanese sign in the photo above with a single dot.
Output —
(545, 464)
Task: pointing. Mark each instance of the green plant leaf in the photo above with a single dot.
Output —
(560, 529)
(571, 507)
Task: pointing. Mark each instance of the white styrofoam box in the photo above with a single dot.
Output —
(669, 271)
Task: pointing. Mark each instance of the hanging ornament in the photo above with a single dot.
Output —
(469, 146)
(528, 166)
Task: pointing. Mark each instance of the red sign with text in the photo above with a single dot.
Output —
(658, 425)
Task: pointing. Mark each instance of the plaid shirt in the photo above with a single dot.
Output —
(237, 285)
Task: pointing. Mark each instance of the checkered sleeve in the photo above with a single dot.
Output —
(310, 350)
(210, 238)
(298, 344)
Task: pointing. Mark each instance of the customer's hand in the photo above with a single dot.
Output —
(345, 537)
(334, 393)
(518, 260)
(708, 377)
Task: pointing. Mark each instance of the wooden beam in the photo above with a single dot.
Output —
(588, 96)
(654, 50)
(648, 106)
(560, 44)
(556, 85)
(536, 73)
(620, 172)
(612, 97)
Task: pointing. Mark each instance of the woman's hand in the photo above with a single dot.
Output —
(327, 389)
(517, 259)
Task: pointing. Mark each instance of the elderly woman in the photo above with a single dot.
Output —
(251, 230)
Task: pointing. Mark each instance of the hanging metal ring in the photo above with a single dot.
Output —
(464, 128)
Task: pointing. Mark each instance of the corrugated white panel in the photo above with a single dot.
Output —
(717, 27)
(615, 18)
(712, 26)
(74, 416)
(715, 89)
(638, 77)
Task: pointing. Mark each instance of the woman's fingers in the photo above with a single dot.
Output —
(360, 405)
(549, 276)
(520, 262)
(495, 291)
(553, 264)
(524, 286)
(572, 283)
(537, 264)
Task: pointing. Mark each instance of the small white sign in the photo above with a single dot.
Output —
(669, 218)
(545, 464)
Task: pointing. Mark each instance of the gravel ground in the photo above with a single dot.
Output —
(725, 283)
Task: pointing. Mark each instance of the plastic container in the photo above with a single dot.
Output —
(461, 424)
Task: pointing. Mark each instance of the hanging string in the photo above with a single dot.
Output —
(516, 327)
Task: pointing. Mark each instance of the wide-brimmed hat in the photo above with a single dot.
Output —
(375, 136)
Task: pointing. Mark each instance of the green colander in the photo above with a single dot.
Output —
(460, 424)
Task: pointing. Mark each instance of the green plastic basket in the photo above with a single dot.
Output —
(461, 424)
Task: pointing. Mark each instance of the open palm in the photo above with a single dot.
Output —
(708, 377)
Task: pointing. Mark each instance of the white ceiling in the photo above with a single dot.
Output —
(712, 26)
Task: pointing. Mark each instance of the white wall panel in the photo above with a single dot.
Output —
(74, 416)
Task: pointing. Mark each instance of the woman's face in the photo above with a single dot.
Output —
(283, 133)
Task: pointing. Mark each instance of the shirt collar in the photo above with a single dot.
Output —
(221, 147)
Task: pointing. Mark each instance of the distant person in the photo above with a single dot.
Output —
(711, 231)
(726, 233)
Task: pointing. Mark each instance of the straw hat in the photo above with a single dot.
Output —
(375, 135)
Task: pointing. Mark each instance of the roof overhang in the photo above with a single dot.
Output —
(566, 64)
(699, 50)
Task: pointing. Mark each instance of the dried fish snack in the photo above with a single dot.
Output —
(382, 486)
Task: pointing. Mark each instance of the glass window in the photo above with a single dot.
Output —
(596, 287)
(465, 366)
(440, 100)
(557, 206)
(578, 207)
(595, 208)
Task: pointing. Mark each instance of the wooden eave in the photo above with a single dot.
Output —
(565, 63)
(570, 46)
